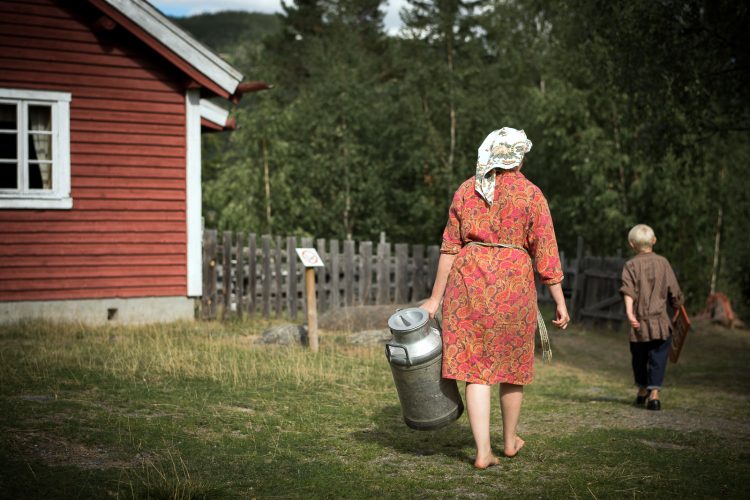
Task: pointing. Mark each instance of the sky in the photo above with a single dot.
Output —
(181, 8)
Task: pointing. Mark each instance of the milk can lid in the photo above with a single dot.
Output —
(407, 320)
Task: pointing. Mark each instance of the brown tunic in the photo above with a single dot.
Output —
(649, 279)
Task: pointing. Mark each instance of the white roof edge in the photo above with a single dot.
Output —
(213, 112)
(180, 42)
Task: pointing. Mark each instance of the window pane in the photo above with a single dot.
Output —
(8, 146)
(40, 147)
(8, 117)
(40, 117)
(40, 176)
(8, 176)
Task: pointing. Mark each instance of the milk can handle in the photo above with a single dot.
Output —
(388, 352)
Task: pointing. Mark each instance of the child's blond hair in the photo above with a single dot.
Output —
(641, 237)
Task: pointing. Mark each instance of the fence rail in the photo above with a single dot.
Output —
(244, 274)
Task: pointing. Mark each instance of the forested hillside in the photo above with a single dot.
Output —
(638, 109)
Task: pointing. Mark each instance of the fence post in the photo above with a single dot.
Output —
(349, 272)
(401, 294)
(239, 287)
(321, 272)
(418, 281)
(226, 271)
(278, 278)
(575, 293)
(266, 276)
(291, 277)
(365, 274)
(251, 283)
(208, 300)
(433, 256)
(335, 285)
(384, 273)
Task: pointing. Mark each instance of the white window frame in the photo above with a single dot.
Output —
(59, 196)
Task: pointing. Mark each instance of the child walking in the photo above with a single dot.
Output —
(648, 285)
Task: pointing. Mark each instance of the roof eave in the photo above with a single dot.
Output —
(178, 46)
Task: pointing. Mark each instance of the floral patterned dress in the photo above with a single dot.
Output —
(489, 306)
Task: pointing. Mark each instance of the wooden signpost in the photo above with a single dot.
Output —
(310, 259)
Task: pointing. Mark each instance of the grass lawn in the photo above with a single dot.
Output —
(201, 411)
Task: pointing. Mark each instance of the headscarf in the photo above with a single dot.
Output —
(504, 149)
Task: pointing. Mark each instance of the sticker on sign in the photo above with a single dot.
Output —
(309, 257)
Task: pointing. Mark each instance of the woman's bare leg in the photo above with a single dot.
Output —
(511, 397)
(478, 407)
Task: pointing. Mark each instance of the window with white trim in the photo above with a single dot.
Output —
(34, 149)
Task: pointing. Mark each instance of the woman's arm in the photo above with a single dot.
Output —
(561, 310)
(441, 278)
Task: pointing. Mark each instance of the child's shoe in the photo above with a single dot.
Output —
(653, 404)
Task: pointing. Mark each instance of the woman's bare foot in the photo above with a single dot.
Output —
(487, 461)
(512, 451)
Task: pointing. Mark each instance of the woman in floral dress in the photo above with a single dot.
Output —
(498, 224)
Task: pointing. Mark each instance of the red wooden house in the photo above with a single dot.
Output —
(102, 104)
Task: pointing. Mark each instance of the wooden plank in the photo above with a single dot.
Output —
(100, 160)
(84, 283)
(208, 300)
(335, 298)
(365, 274)
(240, 274)
(226, 275)
(125, 172)
(384, 271)
(401, 293)
(60, 226)
(89, 271)
(291, 294)
(278, 279)
(92, 261)
(322, 273)
(67, 249)
(349, 272)
(266, 275)
(124, 149)
(7, 216)
(433, 257)
(577, 293)
(419, 283)
(602, 304)
(602, 315)
(95, 292)
(93, 238)
(75, 80)
(251, 272)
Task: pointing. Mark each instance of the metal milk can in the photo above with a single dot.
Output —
(428, 401)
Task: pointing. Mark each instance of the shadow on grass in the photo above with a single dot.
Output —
(390, 431)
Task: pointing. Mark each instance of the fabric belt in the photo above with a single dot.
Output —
(546, 346)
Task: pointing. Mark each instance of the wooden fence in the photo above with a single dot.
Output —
(244, 274)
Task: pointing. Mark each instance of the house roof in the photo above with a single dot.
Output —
(178, 46)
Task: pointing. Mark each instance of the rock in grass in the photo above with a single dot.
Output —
(286, 334)
(370, 337)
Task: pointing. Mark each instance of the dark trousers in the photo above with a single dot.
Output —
(650, 362)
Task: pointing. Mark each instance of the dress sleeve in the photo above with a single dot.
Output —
(627, 282)
(452, 234)
(542, 243)
(673, 289)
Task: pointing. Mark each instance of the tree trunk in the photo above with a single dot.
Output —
(266, 184)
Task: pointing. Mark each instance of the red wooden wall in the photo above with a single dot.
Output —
(126, 233)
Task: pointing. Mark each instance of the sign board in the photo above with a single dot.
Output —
(309, 257)
(680, 327)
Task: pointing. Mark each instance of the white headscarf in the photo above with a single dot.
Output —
(504, 149)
